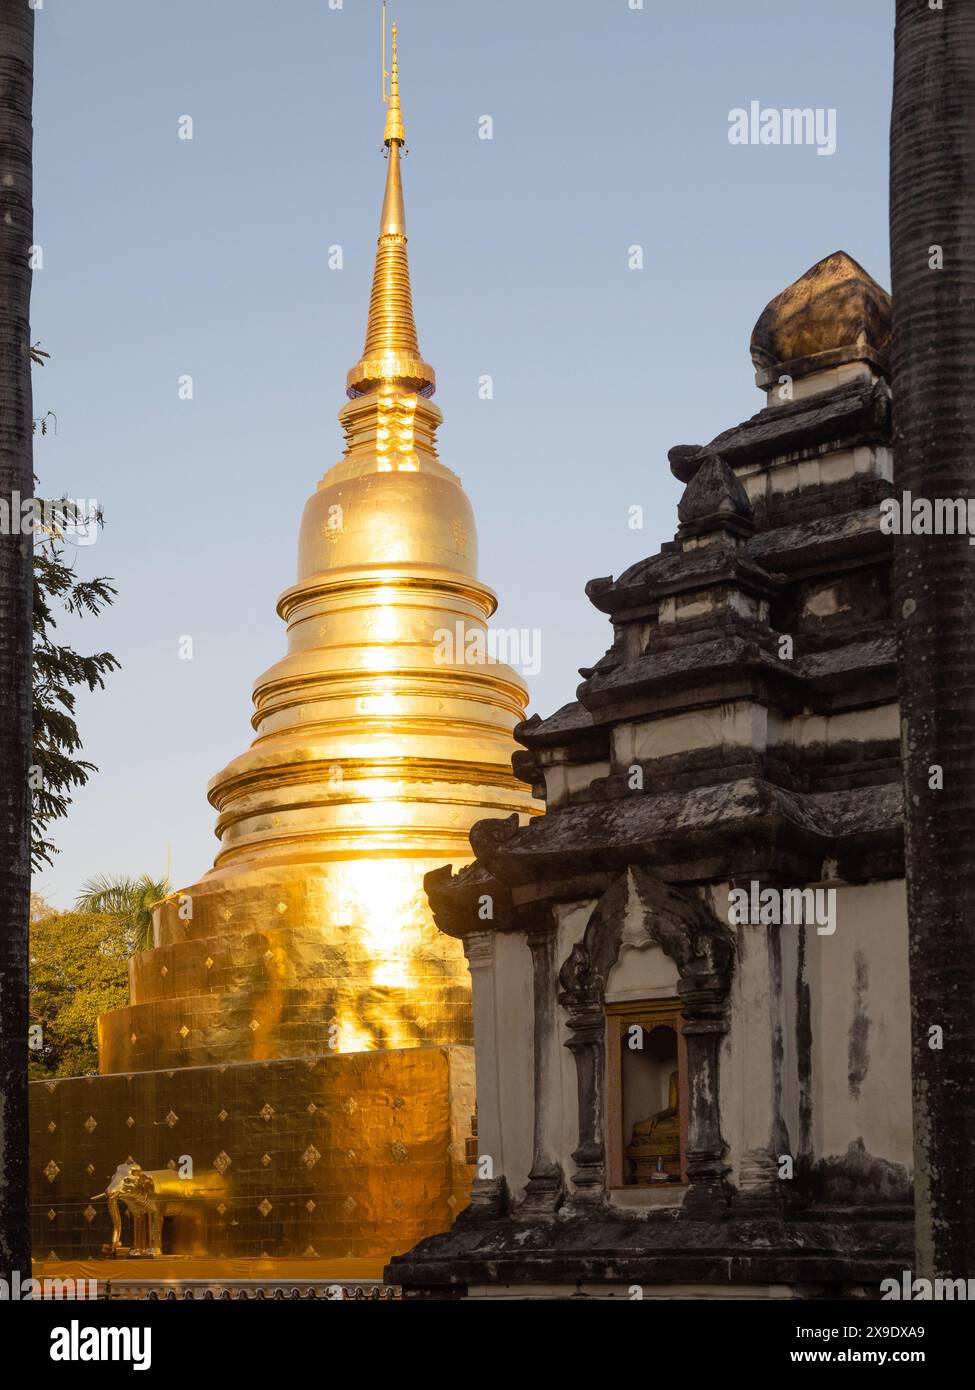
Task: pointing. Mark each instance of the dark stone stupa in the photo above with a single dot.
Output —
(690, 976)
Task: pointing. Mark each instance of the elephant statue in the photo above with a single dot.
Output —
(149, 1196)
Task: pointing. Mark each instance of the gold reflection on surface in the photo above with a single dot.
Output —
(311, 937)
(367, 1155)
(372, 756)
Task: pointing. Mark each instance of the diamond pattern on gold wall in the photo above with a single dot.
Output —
(350, 1154)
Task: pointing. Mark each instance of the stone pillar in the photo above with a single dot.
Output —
(587, 1043)
(488, 1195)
(704, 1000)
(760, 1045)
(546, 1180)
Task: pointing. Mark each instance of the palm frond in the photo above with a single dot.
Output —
(105, 893)
(131, 900)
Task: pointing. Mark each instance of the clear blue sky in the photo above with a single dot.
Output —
(209, 257)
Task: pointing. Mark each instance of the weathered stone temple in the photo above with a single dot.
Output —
(690, 976)
(297, 1046)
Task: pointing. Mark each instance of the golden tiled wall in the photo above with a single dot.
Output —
(357, 1154)
(291, 963)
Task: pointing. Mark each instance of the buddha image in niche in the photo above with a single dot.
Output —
(654, 1149)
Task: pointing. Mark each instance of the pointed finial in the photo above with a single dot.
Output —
(391, 355)
(714, 500)
(394, 116)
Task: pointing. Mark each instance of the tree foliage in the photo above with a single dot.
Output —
(77, 971)
(59, 671)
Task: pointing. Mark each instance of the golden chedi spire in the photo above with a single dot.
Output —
(392, 350)
(379, 742)
(394, 116)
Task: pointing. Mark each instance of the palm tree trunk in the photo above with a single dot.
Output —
(16, 577)
(932, 146)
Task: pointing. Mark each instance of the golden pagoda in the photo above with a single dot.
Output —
(301, 1030)
(372, 757)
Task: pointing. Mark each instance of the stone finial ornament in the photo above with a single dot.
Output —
(714, 499)
(684, 460)
(834, 307)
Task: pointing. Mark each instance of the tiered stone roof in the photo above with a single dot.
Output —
(779, 538)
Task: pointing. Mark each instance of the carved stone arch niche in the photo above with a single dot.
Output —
(702, 948)
(646, 1093)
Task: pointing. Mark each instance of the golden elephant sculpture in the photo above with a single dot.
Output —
(150, 1195)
